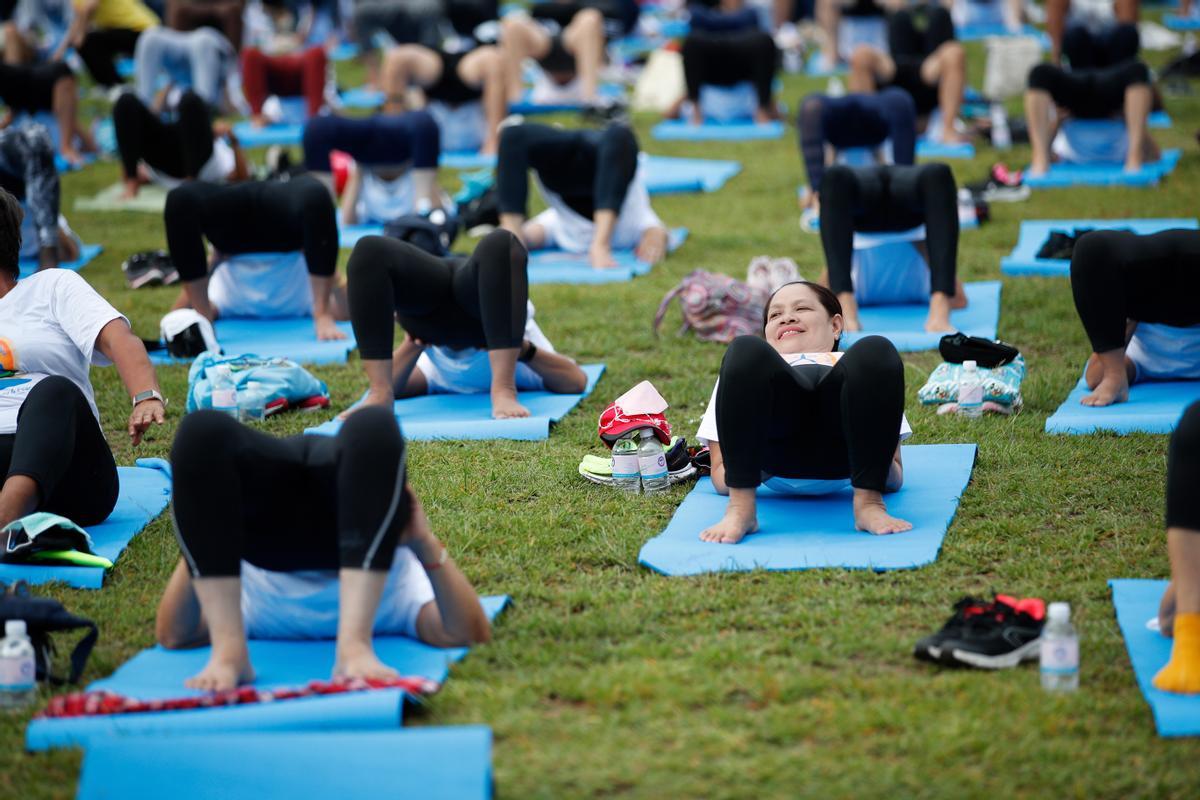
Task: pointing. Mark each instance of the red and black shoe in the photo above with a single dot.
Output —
(930, 647)
(1006, 633)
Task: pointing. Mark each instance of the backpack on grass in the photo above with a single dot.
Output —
(717, 307)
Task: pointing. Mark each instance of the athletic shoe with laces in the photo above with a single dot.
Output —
(1008, 632)
(929, 648)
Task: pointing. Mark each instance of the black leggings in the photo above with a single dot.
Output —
(59, 444)
(1183, 472)
(910, 47)
(856, 120)
(1089, 93)
(477, 302)
(252, 217)
(725, 59)
(810, 421)
(101, 47)
(1118, 276)
(286, 505)
(31, 88)
(179, 148)
(1111, 46)
(590, 170)
(892, 198)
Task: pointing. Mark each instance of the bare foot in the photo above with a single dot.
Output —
(951, 135)
(221, 674)
(762, 116)
(505, 406)
(697, 114)
(1110, 390)
(732, 528)
(938, 320)
(601, 257)
(327, 329)
(361, 664)
(375, 397)
(653, 246)
(871, 515)
(71, 156)
(1133, 162)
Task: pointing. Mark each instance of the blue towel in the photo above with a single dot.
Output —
(1153, 407)
(679, 130)
(927, 148)
(557, 266)
(450, 763)
(818, 532)
(1178, 22)
(668, 175)
(284, 134)
(469, 416)
(1023, 259)
(1062, 174)
(86, 254)
(293, 338)
(145, 491)
(156, 674)
(904, 326)
(1136, 603)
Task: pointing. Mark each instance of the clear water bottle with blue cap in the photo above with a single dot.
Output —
(18, 669)
(625, 471)
(652, 462)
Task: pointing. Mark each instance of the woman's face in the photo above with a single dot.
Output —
(798, 323)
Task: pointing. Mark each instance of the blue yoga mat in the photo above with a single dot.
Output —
(466, 159)
(1136, 603)
(284, 134)
(348, 235)
(904, 326)
(159, 674)
(344, 52)
(469, 416)
(1023, 259)
(145, 491)
(816, 67)
(558, 266)
(975, 33)
(1177, 22)
(1062, 175)
(681, 131)
(927, 148)
(527, 107)
(293, 338)
(1159, 119)
(361, 97)
(86, 254)
(818, 532)
(1152, 407)
(452, 763)
(668, 175)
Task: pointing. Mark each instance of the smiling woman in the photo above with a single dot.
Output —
(793, 413)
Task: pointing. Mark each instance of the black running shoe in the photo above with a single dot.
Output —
(930, 647)
(1008, 633)
(1058, 245)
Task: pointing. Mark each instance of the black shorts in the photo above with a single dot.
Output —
(449, 88)
(31, 88)
(558, 61)
(908, 78)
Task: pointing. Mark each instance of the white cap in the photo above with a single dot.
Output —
(969, 365)
(179, 320)
(15, 627)
(1060, 612)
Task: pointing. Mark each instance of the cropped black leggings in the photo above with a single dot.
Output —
(1183, 472)
(856, 120)
(179, 148)
(383, 140)
(251, 217)
(725, 59)
(31, 88)
(891, 198)
(60, 446)
(1089, 93)
(1118, 276)
(1112, 45)
(809, 421)
(591, 170)
(286, 505)
(481, 301)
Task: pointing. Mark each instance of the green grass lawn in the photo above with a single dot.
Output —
(605, 679)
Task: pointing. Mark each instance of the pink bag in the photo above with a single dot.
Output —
(717, 307)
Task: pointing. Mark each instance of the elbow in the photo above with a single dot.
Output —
(481, 631)
(577, 384)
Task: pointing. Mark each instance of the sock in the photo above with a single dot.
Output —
(1182, 672)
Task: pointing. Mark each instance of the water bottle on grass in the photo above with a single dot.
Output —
(652, 462)
(224, 391)
(625, 471)
(1060, 651)
(18, 670)
(970, 391)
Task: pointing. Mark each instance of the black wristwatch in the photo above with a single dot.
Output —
(527, 352)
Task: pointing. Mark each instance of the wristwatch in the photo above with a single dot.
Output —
(149, 394)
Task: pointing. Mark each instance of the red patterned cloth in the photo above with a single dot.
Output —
(101, 703)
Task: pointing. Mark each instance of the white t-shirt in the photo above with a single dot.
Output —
(468, 371)
(304, 605)
(217, 169)
(461, 127)
(1164, 353)
(569, 231)
(381, 201)
(707, 432)
(262, 286)
(48, 326)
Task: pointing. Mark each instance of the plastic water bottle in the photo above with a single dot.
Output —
(252, 402)
(1001, 135)
(18, 670)
(224, 391)
(835, 88)
(626, 474)
(652, 462)
(1060, 651)
(970, 391)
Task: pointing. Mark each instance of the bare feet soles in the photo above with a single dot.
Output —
(505, 406)
(222, 674)
(871, 515)
(732, 528)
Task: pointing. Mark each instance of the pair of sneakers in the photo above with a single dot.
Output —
(598, 469)
(995, 635)
(768, 274)
(151, 268)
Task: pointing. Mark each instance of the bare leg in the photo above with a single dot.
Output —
(359, 591)
(484, 67)
(229, 664)
(829, 17)
(871, 515)
(425, 187)
(1037, 117)
(520, 38)
(197, 296)
(740, 518)
(939, 314)
(584, 39)
(947, 69)
(64, 103)
(1182, 672)
(18, 497)
(380, 390)
(1114, 381)
(405, 65)
(515, 224)
(850, 312)
(1138, 101)
(504, 384)
(869, 67)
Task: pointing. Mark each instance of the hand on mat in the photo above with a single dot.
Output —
(653, 246)
(327, 329)
(871, 515)
(144, 414)
(601, 256)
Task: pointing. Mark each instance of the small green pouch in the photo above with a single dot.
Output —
(42, 537)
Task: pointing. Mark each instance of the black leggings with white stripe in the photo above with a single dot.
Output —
(286, 505)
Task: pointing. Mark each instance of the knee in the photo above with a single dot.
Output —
(743, 360)
(500, 247)
(203, 441)
(513, 140)
(1043, 77)
(936, 177)
(56, 396)
(424, 127)
(1138, 74)
(1092, 252)
(126, 107)
(369, 257)
(898, 103)
(181, 204)
(862, 59)
(811, 108)
(588, 19)
(619, 140)
(192, 105)
(879, 357)
(954, 55)
(838, 181)
(373, 436)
